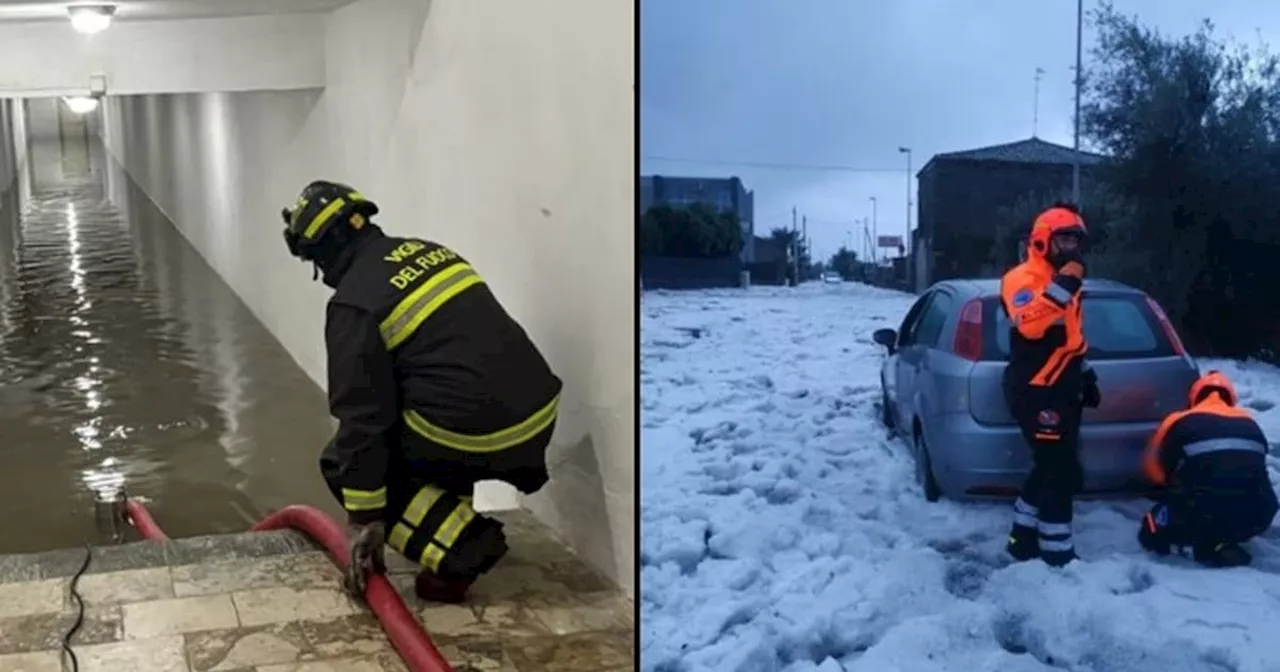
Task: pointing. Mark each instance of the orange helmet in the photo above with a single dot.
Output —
(1212, 381)
(1059, 219)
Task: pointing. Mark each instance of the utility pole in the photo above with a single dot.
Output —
(1035, 105)
(875, 226)
(795, 262)
(906, 241)
(1075, 158)
(804, 239)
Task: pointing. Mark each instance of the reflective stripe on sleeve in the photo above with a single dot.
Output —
(1219, 445)
(364, 500)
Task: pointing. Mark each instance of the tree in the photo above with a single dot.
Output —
(796, 247)
(845, 262)
(699, 230)
(1192, 125)
(1103, 211)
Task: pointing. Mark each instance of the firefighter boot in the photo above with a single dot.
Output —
(431, 588)
(1221, 555)
(1024, 543)
(1058, 558)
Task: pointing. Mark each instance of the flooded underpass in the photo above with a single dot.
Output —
(128, 365)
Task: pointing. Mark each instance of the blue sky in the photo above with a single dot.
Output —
(728, 83)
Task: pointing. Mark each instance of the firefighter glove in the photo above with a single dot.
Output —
(1092, 397)
(366, 555)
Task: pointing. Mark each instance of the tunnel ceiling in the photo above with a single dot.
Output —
(26, 10)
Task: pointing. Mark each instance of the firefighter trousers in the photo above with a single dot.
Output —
(1051, 428)
(1207, 519)
(429, 515)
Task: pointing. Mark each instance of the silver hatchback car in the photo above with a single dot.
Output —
(942, 388)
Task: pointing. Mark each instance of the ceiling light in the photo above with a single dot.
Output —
(81, 104)
(89, 19)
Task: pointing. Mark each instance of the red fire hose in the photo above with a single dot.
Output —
(407, 635)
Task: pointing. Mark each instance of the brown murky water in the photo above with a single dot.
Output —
(126, 363)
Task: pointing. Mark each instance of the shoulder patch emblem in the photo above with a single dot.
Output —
(1023, 297)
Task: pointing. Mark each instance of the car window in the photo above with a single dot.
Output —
(935, 316)
(1119, 326)
(912, 318)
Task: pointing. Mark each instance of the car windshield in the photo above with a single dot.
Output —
(1116, 326)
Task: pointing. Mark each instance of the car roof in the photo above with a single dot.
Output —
(991, 286)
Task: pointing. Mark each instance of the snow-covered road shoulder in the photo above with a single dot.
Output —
(782, 531)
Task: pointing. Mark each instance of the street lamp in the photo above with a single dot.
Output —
(875, 232)
(1075, 157)
(906, 242)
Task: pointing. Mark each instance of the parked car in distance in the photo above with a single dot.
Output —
(832, 277)
(942, 392)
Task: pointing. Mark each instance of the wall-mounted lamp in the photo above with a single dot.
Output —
(91, 18)
(81, 104)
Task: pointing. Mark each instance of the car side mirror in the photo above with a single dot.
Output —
(886, 337)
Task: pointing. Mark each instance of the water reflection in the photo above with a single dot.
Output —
(125, 362)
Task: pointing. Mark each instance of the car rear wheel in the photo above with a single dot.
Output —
(886, 413)
(924, 470)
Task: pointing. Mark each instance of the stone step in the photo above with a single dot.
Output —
(272, 602)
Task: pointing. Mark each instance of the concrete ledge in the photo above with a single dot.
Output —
(272, 602)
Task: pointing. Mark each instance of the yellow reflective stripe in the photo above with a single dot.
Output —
(425, 300)
(487, 443)
(421, 504)
(452, 527)
(431, 557)
(322, 217)
(399, 537)
(364, 500)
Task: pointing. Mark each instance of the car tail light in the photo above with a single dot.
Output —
(1168, 326)
(968, 341)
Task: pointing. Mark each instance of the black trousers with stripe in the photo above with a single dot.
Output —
(1050, 424)
(419, 463)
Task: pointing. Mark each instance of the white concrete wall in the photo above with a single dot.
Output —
(42, 140)
(502, 129)
(283, 51)
(9, 154)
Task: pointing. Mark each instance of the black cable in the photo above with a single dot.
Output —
(771, 165)
(66, 639)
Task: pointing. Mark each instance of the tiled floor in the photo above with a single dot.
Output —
(270, 603)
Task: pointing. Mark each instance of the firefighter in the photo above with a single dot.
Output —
(434, 387)
(1212, 459)
(1048, 380)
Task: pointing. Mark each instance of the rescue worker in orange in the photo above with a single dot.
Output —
(1212, 460)
(434, 387)
(1048, 380)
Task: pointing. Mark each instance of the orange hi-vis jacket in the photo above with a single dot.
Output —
(1208, 441)
(1046, 342)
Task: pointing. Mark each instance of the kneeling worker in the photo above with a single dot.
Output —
(434, 387)
(1212, 458)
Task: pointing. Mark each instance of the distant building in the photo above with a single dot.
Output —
(960, 195)
(723, 193)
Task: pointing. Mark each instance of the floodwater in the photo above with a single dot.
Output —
(128, 365)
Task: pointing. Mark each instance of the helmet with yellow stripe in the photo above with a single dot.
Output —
(323, 219)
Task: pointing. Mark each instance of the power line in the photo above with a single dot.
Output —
(774, 166)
